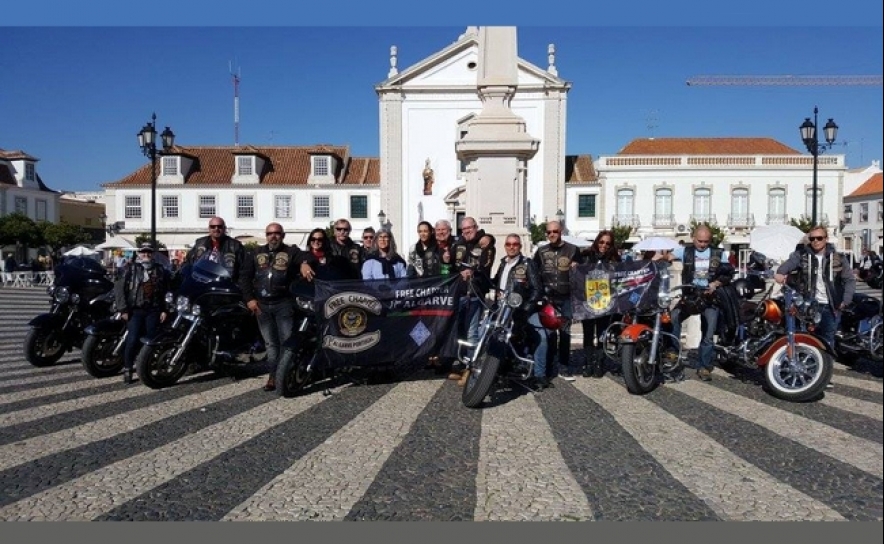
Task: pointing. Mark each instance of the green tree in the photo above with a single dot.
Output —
(59, 235)
(621, 234)
(718, 233)
(804, 223)
(145, 239)
(538, 233)
(19, 229)
(250, 246)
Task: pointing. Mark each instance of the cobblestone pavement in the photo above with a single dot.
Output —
(77, 448)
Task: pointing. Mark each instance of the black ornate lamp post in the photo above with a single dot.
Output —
(147, 140)
(382, 220)
(810, 136)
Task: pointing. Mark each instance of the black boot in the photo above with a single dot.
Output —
(599, 365)
(127, 376)
(591, 363)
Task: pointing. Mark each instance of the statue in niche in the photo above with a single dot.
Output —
(428, 178)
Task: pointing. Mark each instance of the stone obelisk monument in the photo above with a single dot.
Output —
(497, 145)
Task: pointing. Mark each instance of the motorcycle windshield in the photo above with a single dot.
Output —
(82, 273)
(206, 276)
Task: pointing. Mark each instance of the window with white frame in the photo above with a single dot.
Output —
(625, 202)
(21, 205)
(320, 166)
(740, 203)
(776, 202)
(132, 208)
(808, 201)
(703, 203)
(245, 206)
(847, 214)
(244, 166)
(321, 207)
(207, 206)
(30, 172)
(170, 166)
(358, 207)
(663, 202)
(282, 205)
(40, 210)
(586, 206)
(170, 206)
(864, 212)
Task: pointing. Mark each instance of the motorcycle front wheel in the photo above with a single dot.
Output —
(44, 347)
(483, 374)
(292, 375)
(98, 356)
(155, 368)
(639, 372)
(801, 379)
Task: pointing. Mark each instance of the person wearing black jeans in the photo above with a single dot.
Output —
(140, 294)
(265, 279)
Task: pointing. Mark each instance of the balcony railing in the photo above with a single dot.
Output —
(746, 221)
(777, 219)
(663, 220)
(631, 220)
(704, 218)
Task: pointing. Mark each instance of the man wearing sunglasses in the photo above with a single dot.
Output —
(219, 247)
(824, 274)
(554, 261)
(266, 275)
(343, 246)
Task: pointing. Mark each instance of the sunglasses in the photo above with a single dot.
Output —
(317, 240)
(368, 237)
(342, 229)
(513, 245)
(604, 243)
(816, 238)
(553, 231)
(272, 232)
(216, 227)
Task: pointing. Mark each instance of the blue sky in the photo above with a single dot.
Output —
(76, 96)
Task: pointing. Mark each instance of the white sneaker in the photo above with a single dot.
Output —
(568, 377)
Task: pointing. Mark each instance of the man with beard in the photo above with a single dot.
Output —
(264, 281)
(219, 247)
(473, 261)
(343, 246)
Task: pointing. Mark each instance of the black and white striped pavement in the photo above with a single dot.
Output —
(76, 448)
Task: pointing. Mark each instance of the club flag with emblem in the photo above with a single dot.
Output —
(385, 321)
(599, 289)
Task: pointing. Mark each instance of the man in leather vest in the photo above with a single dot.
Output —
(265, 280)
(554, 261)
(824, 274)
(473, 262)
(343, 246)
(702, 267)
(219, 247)
(140, 294)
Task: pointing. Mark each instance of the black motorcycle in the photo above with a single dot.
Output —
(875, 276)
(80, 296)
(212, 328)
(104, 346)
(861, 332)
(301, 362)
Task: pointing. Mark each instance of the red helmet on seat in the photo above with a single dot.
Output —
(551, 318)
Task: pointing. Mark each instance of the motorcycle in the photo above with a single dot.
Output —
(640, 338)
(875, 276)
(504, 350)
(104, 346)
(300, 361)
(212, 328)
(80, 296)
(773, 335)
(861, 331)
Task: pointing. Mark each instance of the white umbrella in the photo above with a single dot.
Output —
(656, 243)
(776, 242)
(79, 251)
(116, 242)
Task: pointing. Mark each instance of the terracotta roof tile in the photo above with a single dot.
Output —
(16, 156)
(871, 187)
(579, 169)
(706, 146)
(284, 165)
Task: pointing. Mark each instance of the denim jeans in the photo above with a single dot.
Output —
(708, 326)
(828, 324)
(469, 314)
(562, 337)
(142, 322)
(540, 352)
(276, 321)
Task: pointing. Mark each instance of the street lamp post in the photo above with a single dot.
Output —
(810, 136)
(147, 140)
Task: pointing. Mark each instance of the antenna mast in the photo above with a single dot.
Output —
(235, 76)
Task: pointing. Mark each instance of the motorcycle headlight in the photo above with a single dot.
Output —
(196, 310)
(514, 300)
(304, 304)
(75, 298)
(170, 298)
(62, 295)
(664, 300)
(817, 317)
(182, 305)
